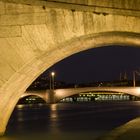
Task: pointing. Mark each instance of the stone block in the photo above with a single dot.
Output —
(12, 8)
(23, 19)
(2, 8)
(10, 31)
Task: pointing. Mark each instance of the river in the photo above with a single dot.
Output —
(67, 121)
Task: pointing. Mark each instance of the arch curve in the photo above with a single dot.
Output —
(19, 82)
(83, 43)
(32, 94)
(63, 93)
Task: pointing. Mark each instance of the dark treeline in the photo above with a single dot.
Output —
(43, 83)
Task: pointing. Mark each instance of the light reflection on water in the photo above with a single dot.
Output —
(68, 121)
(53, 113)
(54, 118)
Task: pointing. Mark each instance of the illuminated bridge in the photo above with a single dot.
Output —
(58, 94)
(35, 34)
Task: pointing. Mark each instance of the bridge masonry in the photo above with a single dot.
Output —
(35, 34)
(54, 96)
(49, 96)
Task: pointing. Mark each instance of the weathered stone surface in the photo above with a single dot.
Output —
(10, 31)
(36, 34)
(125, 4)
(120, 7)
(12, 8)
(2, 8)
(22, 19)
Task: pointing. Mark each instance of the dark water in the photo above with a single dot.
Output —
(66, 121)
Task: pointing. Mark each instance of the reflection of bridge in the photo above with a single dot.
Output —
(58, 94)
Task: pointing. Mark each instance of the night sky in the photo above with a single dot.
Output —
(99, 64)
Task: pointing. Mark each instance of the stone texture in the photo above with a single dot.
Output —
(22, 19)
(2, 8)
(12, 8)
(10, 31)
(35, 34)
(124, 4)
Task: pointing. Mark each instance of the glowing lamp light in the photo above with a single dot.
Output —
(52, 73)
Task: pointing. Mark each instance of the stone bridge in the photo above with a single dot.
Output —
(58, 94)
(35, 34)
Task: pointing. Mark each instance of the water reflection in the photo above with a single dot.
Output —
(68, 121)
(20, 106)
(53, 112)
(54, 118)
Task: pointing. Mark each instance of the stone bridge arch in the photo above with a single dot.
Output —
(63, 93)
(34, 37)
(33, 94)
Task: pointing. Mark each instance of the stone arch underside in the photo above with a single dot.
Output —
(34, 94)
(33, 38)
(79, 44)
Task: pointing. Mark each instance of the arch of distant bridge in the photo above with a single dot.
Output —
(63, 93)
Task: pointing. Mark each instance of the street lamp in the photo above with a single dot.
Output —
(134, 77)
(52, 80)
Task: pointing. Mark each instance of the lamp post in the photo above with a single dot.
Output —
(52, 80)
(134, 79)
(53, 74)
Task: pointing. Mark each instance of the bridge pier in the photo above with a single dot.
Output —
(51, 99)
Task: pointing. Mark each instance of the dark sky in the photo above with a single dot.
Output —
(99, 64)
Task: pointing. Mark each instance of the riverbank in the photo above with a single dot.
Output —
(129, 131)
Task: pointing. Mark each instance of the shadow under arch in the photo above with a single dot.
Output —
(31, 70)
(24, 96)
(86, 93)
(102, 92)
(63, 93)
